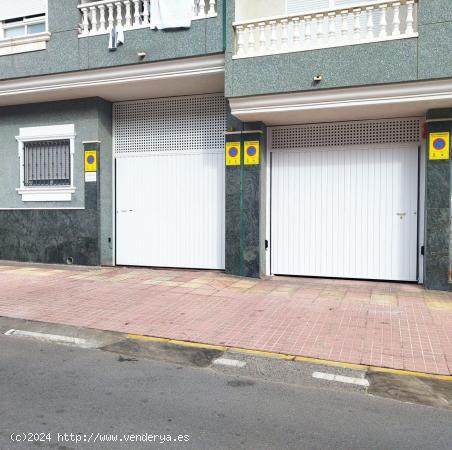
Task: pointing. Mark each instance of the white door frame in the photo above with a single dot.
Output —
(268, 211)
(421, 202)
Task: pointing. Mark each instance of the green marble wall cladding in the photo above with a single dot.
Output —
(393, 61)
(67, 52)
(413, 59)
(382, 62)
(434, 11)
(245, 206)
(437, 260)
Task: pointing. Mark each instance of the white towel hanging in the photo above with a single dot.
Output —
(116, 37)
(166, 14)
(120, 34)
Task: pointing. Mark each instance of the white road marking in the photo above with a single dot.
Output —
(340, 378)
(48, 337)
(229, 362)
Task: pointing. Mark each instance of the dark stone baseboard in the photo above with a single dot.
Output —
(50, 236)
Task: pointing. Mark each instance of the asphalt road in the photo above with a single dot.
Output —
(50, 389)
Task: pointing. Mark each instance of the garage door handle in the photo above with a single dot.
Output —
(125, 210)
(401, 215)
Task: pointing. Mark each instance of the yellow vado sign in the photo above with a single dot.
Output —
(233, 153)
(251, 153)
(439, 145)
(90, 160)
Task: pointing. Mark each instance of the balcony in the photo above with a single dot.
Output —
(366, 22)
(100, 17)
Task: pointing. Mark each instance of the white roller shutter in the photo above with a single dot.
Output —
(344, 200)
(301, 6)
(11, 9)
(170, 179)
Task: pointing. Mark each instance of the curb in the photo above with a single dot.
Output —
(288, 357)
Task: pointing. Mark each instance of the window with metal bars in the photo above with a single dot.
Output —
(47, 163)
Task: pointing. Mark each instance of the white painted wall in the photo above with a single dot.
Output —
(253, 9)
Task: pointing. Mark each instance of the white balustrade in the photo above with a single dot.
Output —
(331, 27)
(344, 27)
(308, 27)
(396, 20)
(357, 24)
(128, 17)
(383, 22)
(136, 14)
(296, 31)
(410, 17)
(320, 20)
(368, 22)
(102, 22)
(99, 17)
(284, 34)
(250, 34)
(273, 35)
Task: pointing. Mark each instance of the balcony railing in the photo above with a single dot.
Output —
(364, 23)
(100, 17)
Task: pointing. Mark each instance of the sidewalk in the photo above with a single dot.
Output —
(400, 326)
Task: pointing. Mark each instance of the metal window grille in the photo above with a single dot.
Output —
(47, 163)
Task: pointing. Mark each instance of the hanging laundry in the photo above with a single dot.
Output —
(116, 37)
(166, 14)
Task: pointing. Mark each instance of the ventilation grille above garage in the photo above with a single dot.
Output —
(346, 133)
(190, 124)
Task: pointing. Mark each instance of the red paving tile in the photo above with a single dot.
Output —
(393, 325)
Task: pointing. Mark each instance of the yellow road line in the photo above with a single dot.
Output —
(328, 362)
(287, 357)
(262, 353)
(410, 373)
(176, 342)
(139, 337)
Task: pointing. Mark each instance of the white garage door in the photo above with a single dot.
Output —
(170, 182)
(344, 200)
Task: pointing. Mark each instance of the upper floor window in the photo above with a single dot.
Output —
(23, 26)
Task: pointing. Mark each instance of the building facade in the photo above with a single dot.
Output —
(261, 137)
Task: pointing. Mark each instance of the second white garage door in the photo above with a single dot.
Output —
(347, 211)
(170, 182)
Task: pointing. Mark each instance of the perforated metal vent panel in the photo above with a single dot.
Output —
(193, 124)
(346, 133)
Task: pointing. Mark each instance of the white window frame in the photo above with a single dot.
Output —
(25, 22)
(26, 42)
(46, 133)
